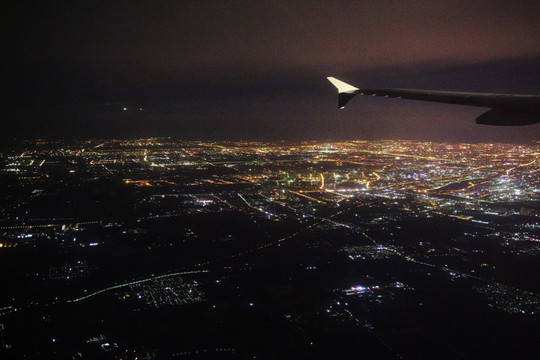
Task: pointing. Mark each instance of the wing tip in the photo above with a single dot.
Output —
(342, 86)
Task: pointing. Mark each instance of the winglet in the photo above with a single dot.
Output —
(345, 91)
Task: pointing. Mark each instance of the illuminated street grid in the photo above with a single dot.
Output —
(162, 292)
(367, 232)
(513, 301)
(477, 184)
(488, 172)
(66, 271)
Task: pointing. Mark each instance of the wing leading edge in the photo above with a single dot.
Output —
(506, 109)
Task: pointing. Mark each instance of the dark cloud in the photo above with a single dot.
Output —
(204, 69)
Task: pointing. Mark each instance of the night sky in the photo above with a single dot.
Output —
(257, 70)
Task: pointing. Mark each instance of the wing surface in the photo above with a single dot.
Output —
(506, 109)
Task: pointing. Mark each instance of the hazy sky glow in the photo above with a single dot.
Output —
(250, 69)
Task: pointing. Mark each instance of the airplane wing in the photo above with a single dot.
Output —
(506, 109)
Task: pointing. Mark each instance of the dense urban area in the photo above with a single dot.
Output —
(165, 249)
